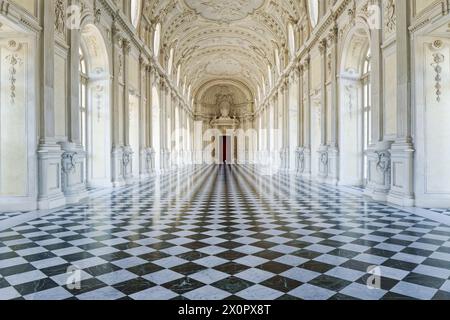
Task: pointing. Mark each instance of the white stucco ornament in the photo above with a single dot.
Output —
(224, 11)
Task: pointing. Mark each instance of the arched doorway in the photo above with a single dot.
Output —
(95, 127)
(355, 109)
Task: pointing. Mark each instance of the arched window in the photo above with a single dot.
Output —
(367, 109)
(184, 85)
(263, 85)
(178, 75)
(313, 9)
(277, 61)
(83, 97)
(135, 12)
(170, 63)
(157, 40)
(189, 92)
(291, 39)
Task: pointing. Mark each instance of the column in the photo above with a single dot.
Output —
(323, 150)
(379, 182)
(128, 152)
(285, 119)
(162, 124)
(168, 131)
(307, 117)
(402, 151)
(143, 117)
(158, 125)
(299, 153)
(117, 143)
(149, 127)
(333, 148)
(74, 156)
(49, 152)
(174, 126)
(278, 119)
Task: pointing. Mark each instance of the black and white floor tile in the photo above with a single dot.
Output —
(441, 211)
(226, 232)
(9, 215)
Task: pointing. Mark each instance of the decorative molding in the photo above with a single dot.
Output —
(14, 60)
(68, 162)
(438, 59)
(60, 16)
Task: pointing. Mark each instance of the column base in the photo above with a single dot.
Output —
(400, 200)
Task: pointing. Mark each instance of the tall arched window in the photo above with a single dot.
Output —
(83, 98)
(157, 40)
(263, 85)
(170, 63)
(269, 75)
(291, 39)
(178, 75)
(367, 109)
(135, 12)
(313, 9)
(277, 61)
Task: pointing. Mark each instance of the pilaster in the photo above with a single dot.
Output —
(49, 152)
(323, 149)
(402, 151)
(333, 149)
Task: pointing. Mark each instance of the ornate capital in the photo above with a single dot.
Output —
(333, 35)
(126, 46)
(323, 46)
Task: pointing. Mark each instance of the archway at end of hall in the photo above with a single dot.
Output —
(95, 125)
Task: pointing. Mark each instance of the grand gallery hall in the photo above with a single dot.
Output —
(224, 149)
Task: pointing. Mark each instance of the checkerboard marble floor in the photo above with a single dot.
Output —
(226, 232)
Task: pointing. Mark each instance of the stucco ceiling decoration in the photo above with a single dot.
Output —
(223, 65)
(218, 41)
(225, 11)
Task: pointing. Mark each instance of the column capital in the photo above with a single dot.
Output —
(126, 44)
(333, 36)
(323, 46)
(143, 61)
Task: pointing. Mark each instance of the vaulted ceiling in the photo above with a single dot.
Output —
(229, 40)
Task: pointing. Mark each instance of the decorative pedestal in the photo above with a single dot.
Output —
(73, 165)
(379, 172)
(402, 163)
(127, 163)
(323, 163)
(117, 166)
(333, 166)
(144, 172)
(50, 185)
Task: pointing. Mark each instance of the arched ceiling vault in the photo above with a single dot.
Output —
(224, 40)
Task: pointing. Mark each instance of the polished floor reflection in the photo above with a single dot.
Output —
(226, 232)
